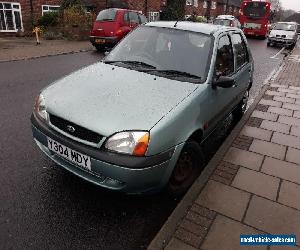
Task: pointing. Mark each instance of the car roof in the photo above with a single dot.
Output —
(204, 28)
(225, 17)
(120, 9)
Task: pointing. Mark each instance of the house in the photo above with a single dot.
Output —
(20, 14)
(217, 7)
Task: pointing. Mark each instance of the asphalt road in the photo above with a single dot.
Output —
(45, 207)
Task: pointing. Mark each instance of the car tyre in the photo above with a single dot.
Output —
(188, 167)
(268, 44)
(240, 109)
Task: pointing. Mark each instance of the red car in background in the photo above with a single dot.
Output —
(112, 25)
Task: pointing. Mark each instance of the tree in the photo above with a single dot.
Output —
(276, 9)
(175, 10)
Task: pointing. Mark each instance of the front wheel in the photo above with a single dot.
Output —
(240, 109)
(188, 167)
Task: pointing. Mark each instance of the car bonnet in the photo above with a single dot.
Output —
(107, 99)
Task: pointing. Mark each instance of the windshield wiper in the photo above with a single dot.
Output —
(178, 73)
(143, 64)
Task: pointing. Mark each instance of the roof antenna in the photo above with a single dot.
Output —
(175, 25)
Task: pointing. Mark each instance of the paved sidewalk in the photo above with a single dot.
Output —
(25, 48)
(253, 182)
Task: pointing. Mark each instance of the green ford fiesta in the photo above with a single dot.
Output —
(135, 121)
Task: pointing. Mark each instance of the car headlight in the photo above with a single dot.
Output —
(40, 107)
(130, 142)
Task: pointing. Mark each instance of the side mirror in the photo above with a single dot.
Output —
(224, 82)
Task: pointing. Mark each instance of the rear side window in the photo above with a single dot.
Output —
(107, 15)
(143, 18)
(241, 52)
(133, 17)
(224, 60)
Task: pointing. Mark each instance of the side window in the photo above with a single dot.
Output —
(224, 60)
(143, 19)
(133, 17)
(241, 52)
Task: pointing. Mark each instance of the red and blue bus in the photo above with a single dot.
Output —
(255, 17)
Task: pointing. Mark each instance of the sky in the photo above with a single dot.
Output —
(291, 4)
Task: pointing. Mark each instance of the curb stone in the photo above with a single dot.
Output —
(165, 234)
(37, 57)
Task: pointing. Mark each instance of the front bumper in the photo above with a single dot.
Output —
(281, 41)
(109, 170)
(105, 41)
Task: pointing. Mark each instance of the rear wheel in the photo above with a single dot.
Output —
(188, 167)
(239, 111)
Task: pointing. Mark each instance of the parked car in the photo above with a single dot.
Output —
(112, 25)
(135, 122)
(227, 20)
(283, 33)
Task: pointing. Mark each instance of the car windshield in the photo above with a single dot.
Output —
(107, 15)
(284, 26)
(255, 9)
(224, 22)
(166, 52)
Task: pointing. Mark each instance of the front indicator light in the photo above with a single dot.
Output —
(40, 107)
(129, 142)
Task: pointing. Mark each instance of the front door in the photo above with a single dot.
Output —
(220, 101)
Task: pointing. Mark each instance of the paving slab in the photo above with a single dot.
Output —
(280, 111)
(268, 148)
(289, 120)
(274, 93)
(274, 103)
(291, 106)
(295, 131)
(257, 133)
(281, 169)
(255, 182)
(176, 244)
(272, 217)
(284, 99)
(287, 140)
(296, 114)
(290, 194)
(224, 199)
(225, 235)
(293, 155)
(293, 96)
(244, 158)
(275, 126)
(265, 115)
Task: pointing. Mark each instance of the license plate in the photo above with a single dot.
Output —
(69, 154)
(101, 41)
(251, 33)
